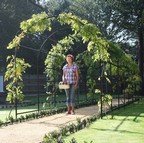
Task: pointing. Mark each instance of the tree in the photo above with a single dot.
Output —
(95, 11)
(119, 21)
(129, 15)
(12, 12)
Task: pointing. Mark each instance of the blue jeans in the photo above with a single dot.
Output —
(70, 95)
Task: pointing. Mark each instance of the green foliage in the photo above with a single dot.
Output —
(49, 139)
(16, 41)
(72, 20)
(13, 75)
(48, 101)
(106, 99)
(98, 49)
(89, 33)
(16, 67)
(91, 83)
(55, 59)
(133, 82)
(1, 123)
(57, 137)
(125, 67)
(97, 46)
(38, 23)
(120, 58)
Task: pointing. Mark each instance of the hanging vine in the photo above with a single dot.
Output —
(13, 75)
(89, 33)
(17, 66)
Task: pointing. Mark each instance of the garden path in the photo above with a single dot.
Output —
(33, 131)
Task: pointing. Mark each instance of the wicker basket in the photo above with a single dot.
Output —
(63, 86)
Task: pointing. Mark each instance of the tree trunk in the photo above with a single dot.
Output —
(141, 56)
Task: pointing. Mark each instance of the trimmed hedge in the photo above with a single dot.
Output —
(57, 136)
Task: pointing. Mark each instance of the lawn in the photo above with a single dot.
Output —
(125, 126)
(33, 105)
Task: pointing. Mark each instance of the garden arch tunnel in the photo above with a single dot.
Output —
(98, 49)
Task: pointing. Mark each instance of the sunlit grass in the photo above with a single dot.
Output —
(125, 126)
(4, 113)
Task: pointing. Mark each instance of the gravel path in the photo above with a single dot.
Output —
(33, 131)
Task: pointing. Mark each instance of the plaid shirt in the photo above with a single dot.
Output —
(69, 73)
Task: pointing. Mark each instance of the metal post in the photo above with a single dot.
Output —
(101, 87)
(15, 104)
(54, 93)
(124, 95)
(118, 83)
(38, 82)
(110, 87)
(38, 69)
(78, 94)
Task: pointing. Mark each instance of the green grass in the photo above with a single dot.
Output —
(125, 126)
(33, 99)
(4, 113)
(42, 99)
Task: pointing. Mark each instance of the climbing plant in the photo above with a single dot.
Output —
(123, 66)
(89, 33)
(55, 60)
(17, 66)
(15, 69)
(101, 50)
(98, 49)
